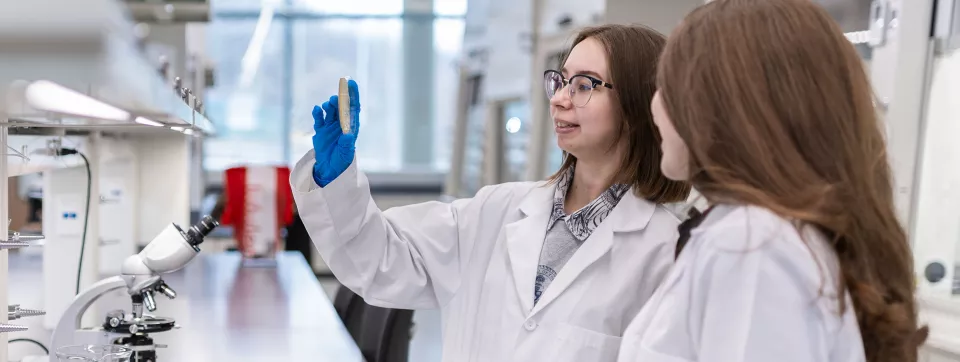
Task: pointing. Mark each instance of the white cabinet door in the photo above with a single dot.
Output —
(117, 215)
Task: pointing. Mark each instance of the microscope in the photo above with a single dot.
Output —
(140, 275)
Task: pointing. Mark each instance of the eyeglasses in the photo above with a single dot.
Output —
(581, 86)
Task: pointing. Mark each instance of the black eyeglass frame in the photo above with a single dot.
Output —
(594, 82)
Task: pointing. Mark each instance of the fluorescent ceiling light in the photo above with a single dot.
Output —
(148, 122)
(52, 97)
(188, 131)
(250, 62)
(178, 129)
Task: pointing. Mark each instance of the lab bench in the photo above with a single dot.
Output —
(225, 311)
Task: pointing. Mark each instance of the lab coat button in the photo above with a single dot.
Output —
(530, 325)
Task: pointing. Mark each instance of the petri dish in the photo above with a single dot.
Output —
(94, 353)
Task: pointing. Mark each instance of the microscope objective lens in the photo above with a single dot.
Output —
(201, 229)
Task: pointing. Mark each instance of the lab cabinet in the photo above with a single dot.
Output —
(916, 75)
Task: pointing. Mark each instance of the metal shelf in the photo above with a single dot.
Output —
(90, 47)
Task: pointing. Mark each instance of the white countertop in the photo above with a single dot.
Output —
(226, 313)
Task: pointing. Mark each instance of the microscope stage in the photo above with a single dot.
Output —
(144, 325)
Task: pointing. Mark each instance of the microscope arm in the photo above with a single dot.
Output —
(71, 318)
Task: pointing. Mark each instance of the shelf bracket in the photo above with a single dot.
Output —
(22, 153)
(16, 241)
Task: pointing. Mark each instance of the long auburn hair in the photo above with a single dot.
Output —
(632, 55)
(777, 111)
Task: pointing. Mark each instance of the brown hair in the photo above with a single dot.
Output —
(777, 111)
(632, 54)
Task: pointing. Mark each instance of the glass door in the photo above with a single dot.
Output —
(474, 150)
(515, 130)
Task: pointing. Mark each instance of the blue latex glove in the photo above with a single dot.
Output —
(334, 149)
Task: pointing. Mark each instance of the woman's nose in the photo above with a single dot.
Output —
(561, 99)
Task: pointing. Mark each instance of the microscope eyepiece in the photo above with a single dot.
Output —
(201, 229)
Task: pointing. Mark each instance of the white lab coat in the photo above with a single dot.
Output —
(746, 288)
(476, 259)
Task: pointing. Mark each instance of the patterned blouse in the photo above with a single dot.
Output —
(565, 233)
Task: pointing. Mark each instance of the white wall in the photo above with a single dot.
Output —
(582, 12)
(475, 24)
(658, 14)
(164, 184)
(661, 15)
(502, 28)
(507, 72)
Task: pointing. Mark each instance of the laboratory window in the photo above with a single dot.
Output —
(447, 41)
(350, 7)
(450, 7)
(272, 68)
(247, 101)
(368, 50)
(236, 5)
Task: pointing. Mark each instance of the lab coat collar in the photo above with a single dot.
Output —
(539, 200)
(525, 241)
(631, 213)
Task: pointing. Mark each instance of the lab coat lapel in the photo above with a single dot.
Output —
(630, 214)
(525, 240)
(593, 248)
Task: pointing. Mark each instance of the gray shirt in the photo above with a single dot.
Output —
(565, 233)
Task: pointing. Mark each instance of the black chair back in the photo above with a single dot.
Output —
(350, 307)
(398, 347)
(298, 239)
(386, 334)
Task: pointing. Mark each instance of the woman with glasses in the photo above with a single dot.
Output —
(526, 271)
(765, 107)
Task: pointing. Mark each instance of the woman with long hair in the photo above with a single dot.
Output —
(765, 107)
(522, 271)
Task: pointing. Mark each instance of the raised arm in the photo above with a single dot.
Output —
(407, 257)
